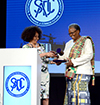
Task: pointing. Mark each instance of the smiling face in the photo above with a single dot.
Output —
(74, 34)
(35, 38)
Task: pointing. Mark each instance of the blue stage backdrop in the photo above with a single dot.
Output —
(53, 17)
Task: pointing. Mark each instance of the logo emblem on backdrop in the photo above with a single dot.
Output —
(17, 84)
(44, 12)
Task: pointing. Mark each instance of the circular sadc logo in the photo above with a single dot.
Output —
(17, 84)
(44, 12)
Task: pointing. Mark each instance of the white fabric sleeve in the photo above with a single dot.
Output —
(66, 51)
(63, 56)
(86, 55)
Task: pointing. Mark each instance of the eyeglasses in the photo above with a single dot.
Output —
(72, 32)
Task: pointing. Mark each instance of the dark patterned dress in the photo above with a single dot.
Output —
(45, 78)
(77, 92)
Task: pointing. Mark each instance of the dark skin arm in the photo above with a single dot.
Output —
(69, 64)
(58, 63)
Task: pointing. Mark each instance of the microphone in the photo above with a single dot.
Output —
(59, 51)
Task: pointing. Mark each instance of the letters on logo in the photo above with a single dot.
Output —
(17, 84)
(44, 12)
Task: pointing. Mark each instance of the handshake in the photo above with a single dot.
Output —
(57, 53)
(51, 54)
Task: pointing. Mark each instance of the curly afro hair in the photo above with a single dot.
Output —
(29, 32)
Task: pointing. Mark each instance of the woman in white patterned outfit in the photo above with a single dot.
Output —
(32, 34)
(80, 53)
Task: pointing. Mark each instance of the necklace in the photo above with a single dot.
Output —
(33, 45)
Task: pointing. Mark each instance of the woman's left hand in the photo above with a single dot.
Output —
(51, 62)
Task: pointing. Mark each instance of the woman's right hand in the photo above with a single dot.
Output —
(55, 54)
(50, 54)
